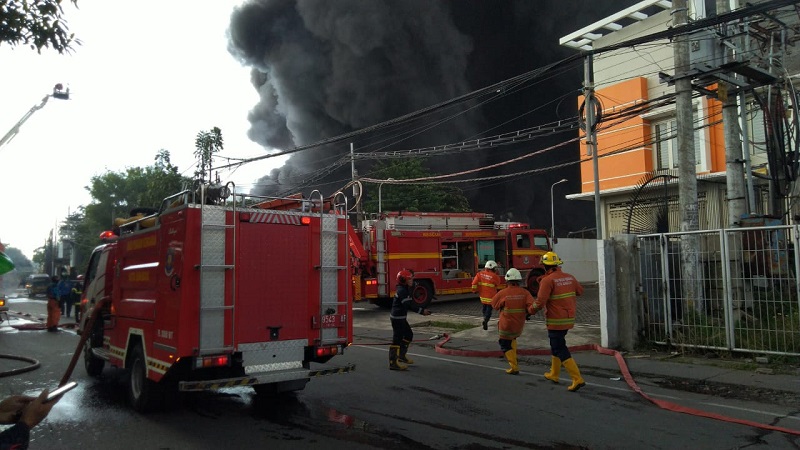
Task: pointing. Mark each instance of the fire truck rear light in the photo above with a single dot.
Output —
(327, 351)
(212, 361)
(244, 217)
(2, 302)
(305, 220)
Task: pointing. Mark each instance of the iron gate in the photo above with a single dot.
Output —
(730, 289)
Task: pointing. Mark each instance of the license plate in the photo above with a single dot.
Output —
(333, 320)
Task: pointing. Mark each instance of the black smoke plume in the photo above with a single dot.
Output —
(327, 67)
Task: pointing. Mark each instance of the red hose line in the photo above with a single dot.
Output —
(623, 367)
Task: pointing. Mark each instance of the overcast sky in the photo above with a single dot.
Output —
(146, 78)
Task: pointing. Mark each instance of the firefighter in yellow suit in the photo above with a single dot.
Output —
(514, 304)
(557, 295)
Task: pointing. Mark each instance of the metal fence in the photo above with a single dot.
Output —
(732, 289)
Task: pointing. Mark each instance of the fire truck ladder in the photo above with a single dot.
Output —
(213, 270)
(333, 233)
(381, 266)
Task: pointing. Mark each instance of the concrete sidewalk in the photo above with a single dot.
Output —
(592, 363)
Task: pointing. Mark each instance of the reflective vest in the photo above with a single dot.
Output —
(514, 303)
(486, 283)
(557, 292)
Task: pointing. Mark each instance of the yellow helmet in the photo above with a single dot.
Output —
(551, 259)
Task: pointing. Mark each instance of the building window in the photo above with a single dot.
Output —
(665, 144)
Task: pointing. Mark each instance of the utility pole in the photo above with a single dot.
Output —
(687, 174)
(734, 169)
(591, 138)
(356, 187)
(737, 205)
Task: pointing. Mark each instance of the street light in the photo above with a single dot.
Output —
(552, 214)
(380, 185)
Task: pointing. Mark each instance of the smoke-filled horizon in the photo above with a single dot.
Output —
(325, 68)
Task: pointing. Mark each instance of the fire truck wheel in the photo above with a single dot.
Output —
(93, 364)
(532, 283)
(142, 391)
(422, 293)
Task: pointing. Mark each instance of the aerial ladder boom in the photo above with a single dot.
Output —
(58, 92)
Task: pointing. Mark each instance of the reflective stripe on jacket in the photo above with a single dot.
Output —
(514, 303)
(557, 292)
(486, 283)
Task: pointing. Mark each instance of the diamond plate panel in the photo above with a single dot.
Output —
(213, 246)
(277, 355)
(330, 239)
(211, 328)
(212, 288)
(261, 368)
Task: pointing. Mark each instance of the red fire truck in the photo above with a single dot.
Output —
(445, 251)
(214, 290)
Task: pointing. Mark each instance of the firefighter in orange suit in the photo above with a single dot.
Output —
(486, 283)
(514, 303)
(557, 292)
(53, 308)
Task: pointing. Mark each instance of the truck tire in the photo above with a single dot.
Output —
(142, 392)
(532, 283)
(93, 364)
(422, 293)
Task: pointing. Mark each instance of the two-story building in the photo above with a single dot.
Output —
(636, 136)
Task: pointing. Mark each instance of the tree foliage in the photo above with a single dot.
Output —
(116, 194)
(412, 197)
(206, 144)
(38, 24)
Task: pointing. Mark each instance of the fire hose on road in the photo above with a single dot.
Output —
(663, 404)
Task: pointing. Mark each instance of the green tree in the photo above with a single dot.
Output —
(117, 194)
(412, 197)
(206, 144)
(36, 23)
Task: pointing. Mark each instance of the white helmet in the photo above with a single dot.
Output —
(513, 275)
(490, 265)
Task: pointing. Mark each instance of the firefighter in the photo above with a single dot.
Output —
(514, 303)
(53, 308)
(557, 292)
(486, 283)
(75, 297)
(401, 330)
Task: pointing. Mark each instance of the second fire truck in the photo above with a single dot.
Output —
(445, 251)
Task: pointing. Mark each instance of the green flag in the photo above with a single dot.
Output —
(6, 264)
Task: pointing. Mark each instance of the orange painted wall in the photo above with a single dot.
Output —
(624, 147)
(716, 136)
(623, 158)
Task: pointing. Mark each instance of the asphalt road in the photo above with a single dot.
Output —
(441, 402)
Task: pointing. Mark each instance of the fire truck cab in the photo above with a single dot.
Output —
(216, 290)
(445, 251)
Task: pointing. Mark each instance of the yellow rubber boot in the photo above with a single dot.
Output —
(555, 369)
(394, 355)
(403, 350)
(511, 356)
(575, 374)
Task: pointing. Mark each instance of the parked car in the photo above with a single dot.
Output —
(36, 284)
